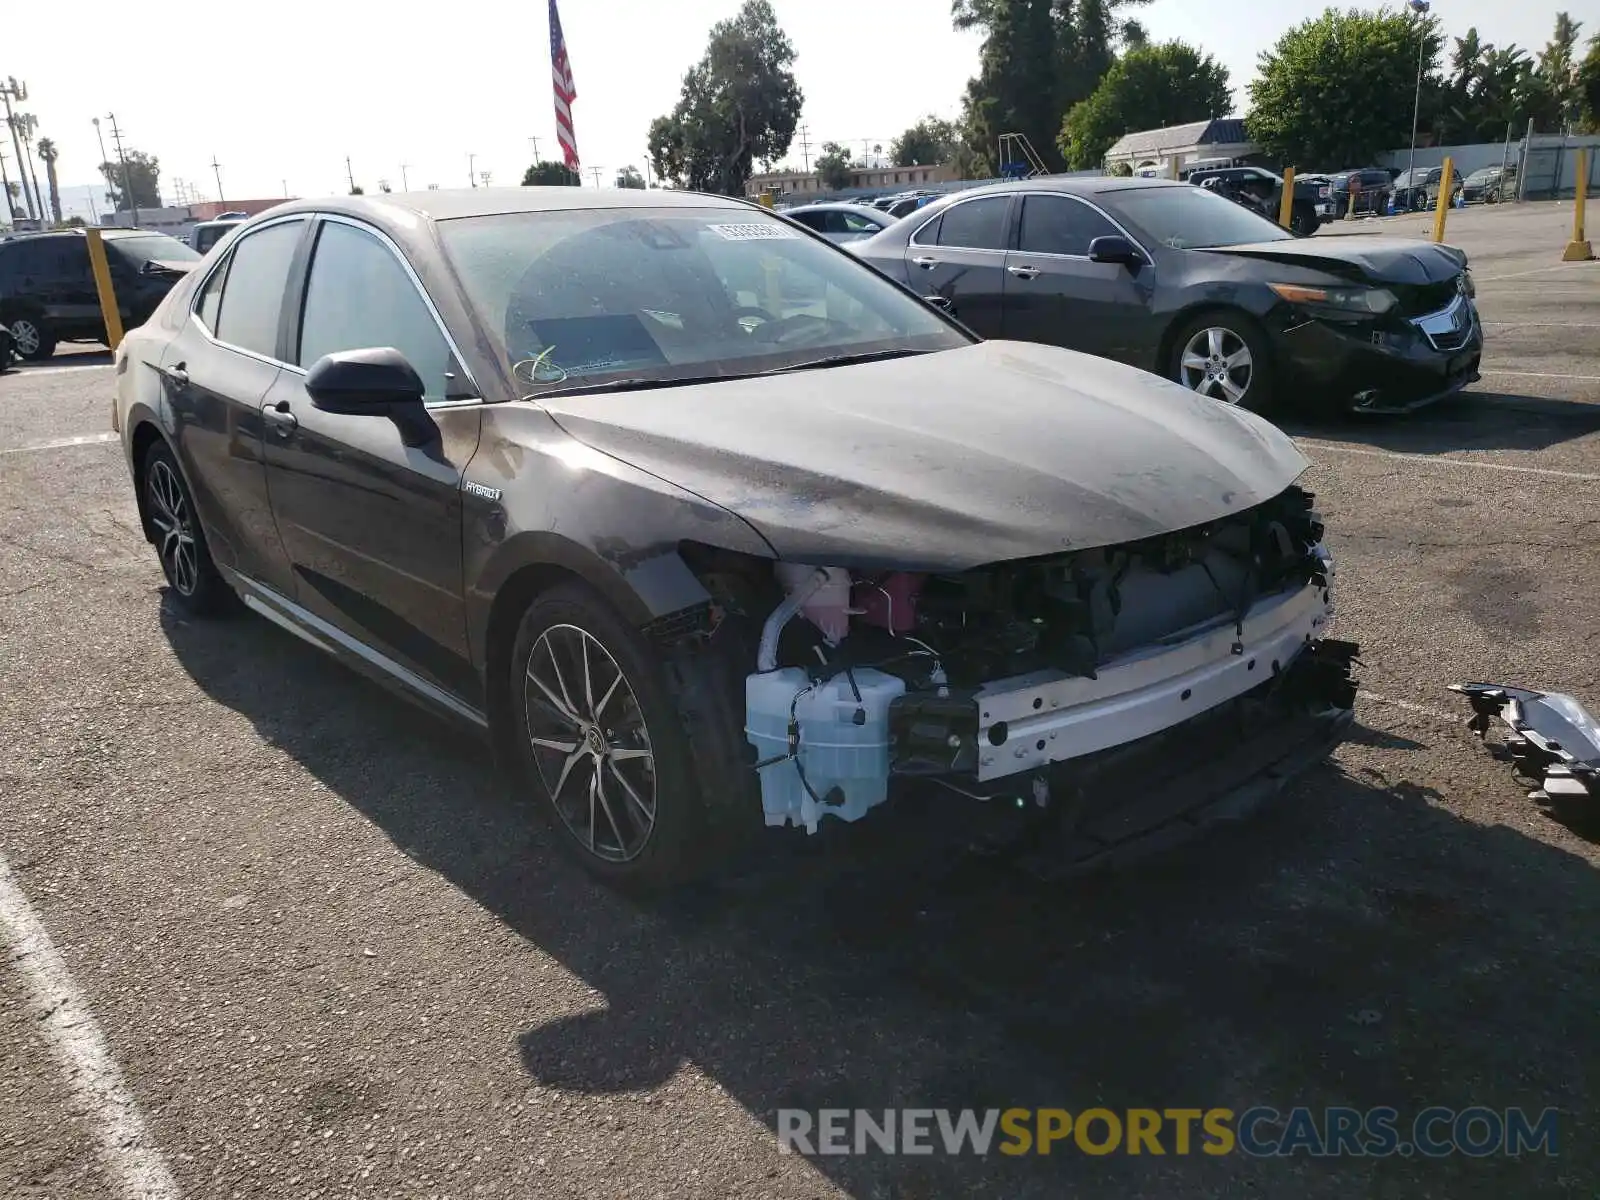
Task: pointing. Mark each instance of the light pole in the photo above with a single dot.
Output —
(405, 185)
(471, 177)
(1420, 7)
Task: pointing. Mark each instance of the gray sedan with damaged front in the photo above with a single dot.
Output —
(707, 527)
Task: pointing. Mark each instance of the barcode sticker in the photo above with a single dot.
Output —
(755, 231)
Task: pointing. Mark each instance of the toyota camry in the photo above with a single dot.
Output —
(707, 527)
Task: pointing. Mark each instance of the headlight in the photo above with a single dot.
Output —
(1349, 302)
(1464, 282)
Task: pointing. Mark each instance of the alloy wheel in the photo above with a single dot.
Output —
(590, 743)
(26, 337)
(1217, 363)
(170, 514)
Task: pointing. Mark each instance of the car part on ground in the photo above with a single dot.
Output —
(1553, 741)
(1122, 267)
(599, 502)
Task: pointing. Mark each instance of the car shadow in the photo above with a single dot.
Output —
(1356, 944)
(68, 358)
(1476, 419)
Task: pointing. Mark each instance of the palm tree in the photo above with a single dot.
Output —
(48, 155)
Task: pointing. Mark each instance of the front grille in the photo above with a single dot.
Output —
(1449, 328)
(1420, 299)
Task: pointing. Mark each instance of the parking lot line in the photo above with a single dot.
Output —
(26, 371)
(1442, 460)
(1545, 324)
(85, 439)
(1521, 274)
(1539, 374)
(127, 1151)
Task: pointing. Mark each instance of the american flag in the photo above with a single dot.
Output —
(566, 90)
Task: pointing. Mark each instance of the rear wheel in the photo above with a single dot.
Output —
(33, 341)
(180, 542)
(1223, 354)
(602, 745)
(1303, 219)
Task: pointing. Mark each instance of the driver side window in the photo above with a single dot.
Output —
(358, 296)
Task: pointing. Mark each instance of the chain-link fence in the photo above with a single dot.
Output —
(1550, 168)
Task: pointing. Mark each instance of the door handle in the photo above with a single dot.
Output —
(176, 375)
(926, 262)
(1024, 272)
(283, 421)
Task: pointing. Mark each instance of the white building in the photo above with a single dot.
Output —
(1164, 150)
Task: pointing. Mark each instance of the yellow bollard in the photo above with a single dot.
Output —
(1286, 205)
(1578, 249)
(765, 199)
(101, 269)
(1443, 206)
(1172, 173)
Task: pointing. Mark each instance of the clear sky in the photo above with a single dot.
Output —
(281, 93)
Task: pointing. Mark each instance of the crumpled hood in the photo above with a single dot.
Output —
(1377, 259)
(946, 461)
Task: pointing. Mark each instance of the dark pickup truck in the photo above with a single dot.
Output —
(1261, 189)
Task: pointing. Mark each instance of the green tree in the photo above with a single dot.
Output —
(546, 173)
(629, 177)
(1558, 90)
(1589, 84)
(1488, 88)
(1337, 90)
(48, 154)
(1039, 58)
(144, 172)
(357, 190)
(833, 166)
(740, 104)
(1147, 88)
(930, 140)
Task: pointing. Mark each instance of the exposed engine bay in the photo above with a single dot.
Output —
(984, 679)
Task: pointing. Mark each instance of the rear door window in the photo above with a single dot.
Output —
(252, 297)
(976, 224)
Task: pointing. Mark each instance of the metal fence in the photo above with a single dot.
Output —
(1550, 168)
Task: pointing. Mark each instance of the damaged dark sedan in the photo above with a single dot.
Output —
(1180, 281)
(709, 528)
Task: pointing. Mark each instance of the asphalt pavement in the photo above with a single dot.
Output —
(327, 952)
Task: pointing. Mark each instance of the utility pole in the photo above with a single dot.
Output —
(405, 185)
(12, 90)
(127, 176)
(484, 175)
(5, 188)
(647, 169)
(350, 174)
(595, 171)
(216, 171)
(471, 165)
(805, 148)
(534, 142)
(285, 183)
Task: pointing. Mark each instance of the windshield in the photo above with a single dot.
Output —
(576, 297)
(1191, 218)
(152, 247)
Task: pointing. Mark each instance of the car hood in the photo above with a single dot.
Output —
(1352, 255)
(947, 461)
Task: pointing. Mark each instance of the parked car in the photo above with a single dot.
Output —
(7, 348)
(1490, 185)
(1370, 186)
(1417, 189)
(1262, 190)
(1184, 283)
(910, 203)
(48, 294)
(208, 233)
(696, 559)
(840, 222)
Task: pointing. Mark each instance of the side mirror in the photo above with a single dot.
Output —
(375, 382)
(1114, 248)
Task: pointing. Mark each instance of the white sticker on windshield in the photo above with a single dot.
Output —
(755, 231)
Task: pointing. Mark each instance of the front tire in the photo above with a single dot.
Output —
(32, 339)
(1303, 220)
(180, 542)
(1223, 354)
(601, 746)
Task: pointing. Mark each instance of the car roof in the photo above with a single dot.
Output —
(106, 233)
(455, 203)
(837, 206)
(1098, 185)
